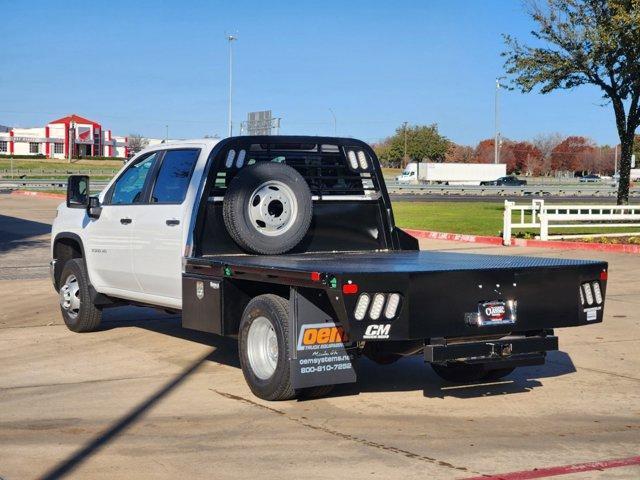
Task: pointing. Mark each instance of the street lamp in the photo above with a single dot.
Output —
(496, 146)
(230, 39)
(335, 123)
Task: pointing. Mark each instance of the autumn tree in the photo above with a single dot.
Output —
(593, 42)
(459, 154)
(484, 151)
(570, 155)
(527, 159)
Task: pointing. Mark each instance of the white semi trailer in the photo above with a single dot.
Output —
(451, 173)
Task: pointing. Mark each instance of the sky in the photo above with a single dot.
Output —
(139, 66)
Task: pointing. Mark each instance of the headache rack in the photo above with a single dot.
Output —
(333, 171)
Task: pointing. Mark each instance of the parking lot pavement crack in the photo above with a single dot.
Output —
(345, 436)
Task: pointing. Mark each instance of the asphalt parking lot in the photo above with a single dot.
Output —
(143, 398)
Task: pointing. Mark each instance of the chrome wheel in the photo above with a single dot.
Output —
(262, 348)
(70, 296)
(273, 208)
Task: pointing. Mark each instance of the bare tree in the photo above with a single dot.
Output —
(546, 143)
(136, 142)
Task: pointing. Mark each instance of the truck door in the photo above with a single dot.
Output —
(157, 237)
(108, 238)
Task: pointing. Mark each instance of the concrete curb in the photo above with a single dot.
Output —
(521, 242)
(30, 193)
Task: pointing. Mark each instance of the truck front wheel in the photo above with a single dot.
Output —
(78, 311)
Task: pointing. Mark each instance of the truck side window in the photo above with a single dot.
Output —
(174, 176)
(128, 188)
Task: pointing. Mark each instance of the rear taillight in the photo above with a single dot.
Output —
(361, 306)
(376, 304)
(597, 293)
(588, 294)
(392, 306)
(591, 293)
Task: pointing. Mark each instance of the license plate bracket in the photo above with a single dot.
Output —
(494, 312)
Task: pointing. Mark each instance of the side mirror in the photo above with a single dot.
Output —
(95, 209)
(78, 191)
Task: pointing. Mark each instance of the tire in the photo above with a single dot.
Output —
(460, 372)
(498, 373)
(268, 208)
(267, 378)
(314, 392)
(78, 311)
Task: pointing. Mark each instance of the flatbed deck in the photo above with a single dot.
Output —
(385, 262)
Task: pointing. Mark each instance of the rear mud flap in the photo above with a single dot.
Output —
(320, 353)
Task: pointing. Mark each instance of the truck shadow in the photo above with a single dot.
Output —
(20, 233)
(408, 374)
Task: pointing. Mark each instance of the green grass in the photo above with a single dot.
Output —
(478, 218)
(475, 218)
(48, 166)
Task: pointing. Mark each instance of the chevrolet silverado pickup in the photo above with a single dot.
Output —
(289, 245)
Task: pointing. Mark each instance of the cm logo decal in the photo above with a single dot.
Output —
(377, 331)
(321, 335)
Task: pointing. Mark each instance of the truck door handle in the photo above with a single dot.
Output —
(172, 222)
(125, 221)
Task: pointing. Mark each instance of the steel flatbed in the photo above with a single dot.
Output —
(386, 262)
(441, 291)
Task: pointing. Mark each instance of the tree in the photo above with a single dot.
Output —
(545, 143)
(593, 42)
(527, 158)
(484, 152)
(459, 154)
(136, 142)
(570, 155)
(423, 142)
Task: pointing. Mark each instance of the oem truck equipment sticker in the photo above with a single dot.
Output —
(321, 353)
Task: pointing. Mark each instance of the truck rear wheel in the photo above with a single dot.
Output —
(264, 347)
(78, 311)
(268, 208)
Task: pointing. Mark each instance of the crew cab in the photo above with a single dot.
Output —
(289, 244)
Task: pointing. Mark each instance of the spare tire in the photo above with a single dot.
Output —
(267, 208)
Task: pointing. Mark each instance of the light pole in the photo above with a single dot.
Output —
(405, 160)
(496, 141)
(335, 123)
(230, 39)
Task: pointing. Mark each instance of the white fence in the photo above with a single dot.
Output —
(537, 215)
